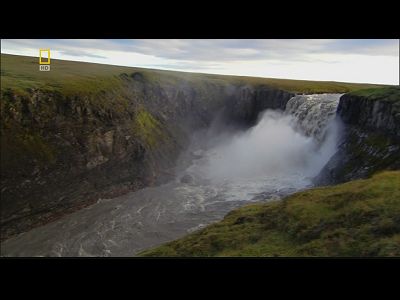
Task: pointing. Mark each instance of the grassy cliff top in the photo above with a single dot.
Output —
(391, 93)
(21, 73)
(358, 218)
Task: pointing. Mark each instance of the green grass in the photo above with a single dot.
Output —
(358, 218)
(147, 128)
(21, 73)
(390, 94)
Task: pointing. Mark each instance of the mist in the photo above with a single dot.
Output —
(282, 144)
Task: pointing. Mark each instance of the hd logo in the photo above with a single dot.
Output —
(44, 60)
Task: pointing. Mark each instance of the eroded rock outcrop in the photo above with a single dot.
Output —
(371, 136)
(377, 114)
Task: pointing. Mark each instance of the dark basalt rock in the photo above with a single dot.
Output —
(376, 115)
(187, 179)
(137, 76)
(246, 102)
(370, 141)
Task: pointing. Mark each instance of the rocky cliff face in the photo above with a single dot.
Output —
(243, 104)
(375, 114)
(371, 136)
(61, 153)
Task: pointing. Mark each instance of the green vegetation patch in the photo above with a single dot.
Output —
(19, 148)
(147, 128)
(21, 74)
(358, 218)
(391, 94)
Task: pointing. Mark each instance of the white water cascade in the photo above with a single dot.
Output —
(313, 113)
(292, 144)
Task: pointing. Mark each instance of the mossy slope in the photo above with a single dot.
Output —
(390, 94)
(20, 73)
(358, 218)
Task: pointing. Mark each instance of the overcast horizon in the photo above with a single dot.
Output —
(350, 60)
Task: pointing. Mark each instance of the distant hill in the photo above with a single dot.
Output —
(69, 77)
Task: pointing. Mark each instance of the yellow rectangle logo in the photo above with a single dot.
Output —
(43, 60)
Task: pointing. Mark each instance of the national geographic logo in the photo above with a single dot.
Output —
(44, 59)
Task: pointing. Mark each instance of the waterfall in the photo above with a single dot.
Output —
(312, 114)
(299, 140)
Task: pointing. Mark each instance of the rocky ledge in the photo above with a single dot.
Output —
(371, 136)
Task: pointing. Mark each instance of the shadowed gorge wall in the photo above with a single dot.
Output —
(62, 152)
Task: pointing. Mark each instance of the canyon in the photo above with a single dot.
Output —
(93, 169)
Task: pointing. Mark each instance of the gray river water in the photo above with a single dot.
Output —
(277, 157)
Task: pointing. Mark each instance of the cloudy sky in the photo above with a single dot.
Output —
(351, 60)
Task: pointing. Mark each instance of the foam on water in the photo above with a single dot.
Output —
(282, 152)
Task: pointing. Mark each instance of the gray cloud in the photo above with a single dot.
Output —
(225, 50)
(81, 53)
(241, 50)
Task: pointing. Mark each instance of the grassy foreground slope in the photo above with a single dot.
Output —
(358, 218)
(21, 73)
